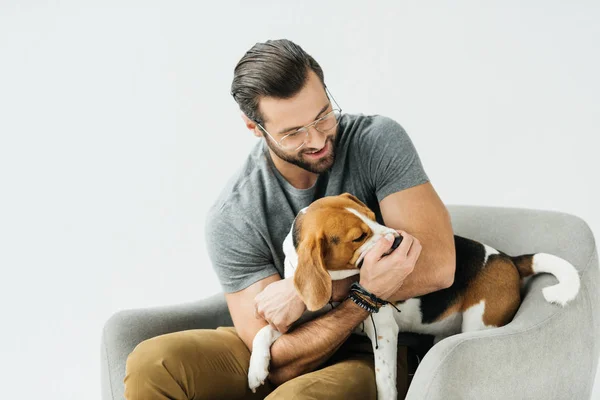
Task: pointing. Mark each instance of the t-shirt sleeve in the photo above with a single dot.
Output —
(237, 256)
(392, 162)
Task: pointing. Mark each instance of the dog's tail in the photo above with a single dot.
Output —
(568, 278)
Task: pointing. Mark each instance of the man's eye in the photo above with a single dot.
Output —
(361, 238)
(294, 134)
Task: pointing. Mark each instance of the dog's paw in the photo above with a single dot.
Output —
(259, 370)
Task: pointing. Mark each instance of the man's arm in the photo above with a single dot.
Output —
(420, 212)
(303, 349)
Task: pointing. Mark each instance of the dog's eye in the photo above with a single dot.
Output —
(361, 238)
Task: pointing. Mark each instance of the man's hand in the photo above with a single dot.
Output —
(279, 305)
(384, 276)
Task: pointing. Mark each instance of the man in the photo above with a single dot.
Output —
(308, 149)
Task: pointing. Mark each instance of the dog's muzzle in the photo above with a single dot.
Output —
(397, 241)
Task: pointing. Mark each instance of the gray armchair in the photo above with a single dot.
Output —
(546, 352)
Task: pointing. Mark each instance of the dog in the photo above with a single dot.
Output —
(328, 241)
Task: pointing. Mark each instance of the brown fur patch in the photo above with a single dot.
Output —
(498, 284)
(454, 308)
(524, 264)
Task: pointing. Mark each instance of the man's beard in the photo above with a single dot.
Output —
(316, 167)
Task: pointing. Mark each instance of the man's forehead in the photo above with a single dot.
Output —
(299, 110)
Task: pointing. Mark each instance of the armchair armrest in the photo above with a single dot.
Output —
(546, 352)
(127, 328)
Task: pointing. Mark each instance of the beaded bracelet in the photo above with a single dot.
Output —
(364, 298)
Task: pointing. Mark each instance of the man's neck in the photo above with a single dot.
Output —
(296, 176)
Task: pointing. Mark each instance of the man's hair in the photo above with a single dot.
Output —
(276, 68)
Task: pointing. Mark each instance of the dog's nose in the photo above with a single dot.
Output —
(360, 263)
(397, 241)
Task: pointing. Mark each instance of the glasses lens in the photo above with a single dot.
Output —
(329, 122)
(294, 140)
(297, 139)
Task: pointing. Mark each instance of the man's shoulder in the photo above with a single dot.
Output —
(365, 126)
(364, 131)
(365, 119)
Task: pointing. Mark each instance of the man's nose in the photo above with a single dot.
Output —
(316, 139)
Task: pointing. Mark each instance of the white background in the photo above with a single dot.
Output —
(118, 131)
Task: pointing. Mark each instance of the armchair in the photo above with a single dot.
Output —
(546, 352)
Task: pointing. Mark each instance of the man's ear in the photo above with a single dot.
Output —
(312, 281)
(251, 125)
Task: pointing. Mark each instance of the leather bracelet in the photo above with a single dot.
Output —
(364, 298)
(367, 305)
(357, 287)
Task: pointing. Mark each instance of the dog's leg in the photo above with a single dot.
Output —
(261, 356)
(384, 338)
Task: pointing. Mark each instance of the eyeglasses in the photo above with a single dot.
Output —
(297, 139)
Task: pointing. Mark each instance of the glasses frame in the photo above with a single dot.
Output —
(307, 127)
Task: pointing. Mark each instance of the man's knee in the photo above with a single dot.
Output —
(154, 353)
(153, 366)
(203, 363)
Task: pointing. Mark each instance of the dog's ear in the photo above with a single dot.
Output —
(353, 198)
(311, 279)
(366, 209)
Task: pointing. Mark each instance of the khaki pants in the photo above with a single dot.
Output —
(213, 364)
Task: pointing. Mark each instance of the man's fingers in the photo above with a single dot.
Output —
(378, 250)
(407, 241)
(409, 249)
(384, 244)
(257, 314)
(415, 250)
(279, 328)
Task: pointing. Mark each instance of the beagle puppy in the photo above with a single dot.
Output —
(328, 241)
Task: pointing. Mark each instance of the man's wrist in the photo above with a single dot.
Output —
(365, 299)
(372, 291)
(357, 310)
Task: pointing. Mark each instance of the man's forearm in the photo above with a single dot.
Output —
(312, 343)
(434, 266)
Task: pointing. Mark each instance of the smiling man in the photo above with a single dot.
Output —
(307, 149)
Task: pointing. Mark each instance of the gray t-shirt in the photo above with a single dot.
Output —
(246, 226)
